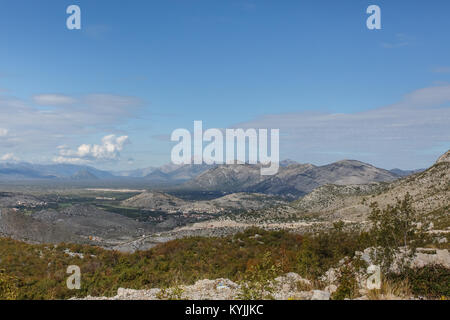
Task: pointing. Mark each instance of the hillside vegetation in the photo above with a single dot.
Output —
(39, 271)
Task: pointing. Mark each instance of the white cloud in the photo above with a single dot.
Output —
(407, 134)
(53, 99)
(3, 132)
(108, 150)
(37, 130)
(9, 157)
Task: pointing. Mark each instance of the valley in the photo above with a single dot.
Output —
(221, 203)
(217, 201)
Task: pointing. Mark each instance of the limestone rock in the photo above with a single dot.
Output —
(444, 158)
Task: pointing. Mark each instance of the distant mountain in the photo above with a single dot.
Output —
(84, 175)
(405, 173)
(21, 171)
(168, 168)
(157, 176)
(291, 181)
(189, 171)
(25, 170)
(177, 173)
(137, 173)
(166, 173)
(429, 190)
(227, 178)
(287, 162)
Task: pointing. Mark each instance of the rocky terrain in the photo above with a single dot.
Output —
(430, 190)
(151, 200)
(19, 226)
(10, 199)
(27, 217)
(76, 224)
(290, 286)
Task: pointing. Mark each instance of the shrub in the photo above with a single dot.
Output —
(8, 287)
(257, 281)
(392, 228)
(348, 285)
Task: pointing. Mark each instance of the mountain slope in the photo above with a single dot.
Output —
(158, 201)
(83, 175)
(76, 224)
(429, 189)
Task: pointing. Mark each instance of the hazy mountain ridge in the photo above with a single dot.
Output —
(405, 173)
(166, 173)
(25, 170)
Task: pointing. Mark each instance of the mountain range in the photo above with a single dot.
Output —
(29, 171)
(292, 180)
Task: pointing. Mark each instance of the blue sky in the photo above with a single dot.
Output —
(144, 68)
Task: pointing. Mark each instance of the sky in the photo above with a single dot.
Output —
(111, 93)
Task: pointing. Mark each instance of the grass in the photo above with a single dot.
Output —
(391, 290)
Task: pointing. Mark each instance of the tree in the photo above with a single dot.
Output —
(394, 228)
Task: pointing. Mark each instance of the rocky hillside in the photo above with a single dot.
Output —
(429, 189)
(159, 201)
(19, 226)
(237, 178)
(444, 158)
(292, 180)
(246, 201)
(75, 224)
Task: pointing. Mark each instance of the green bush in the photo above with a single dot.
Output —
(395, 227)
(348, 285)
(257, 280)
